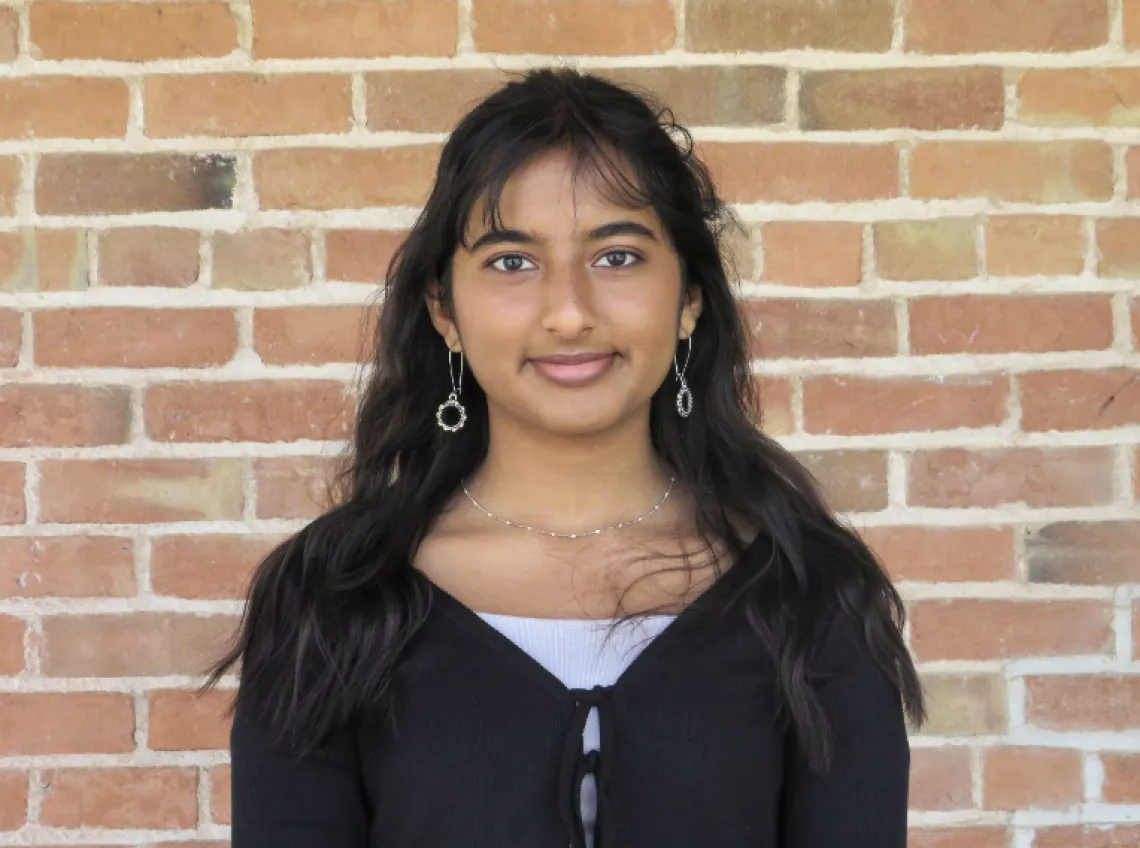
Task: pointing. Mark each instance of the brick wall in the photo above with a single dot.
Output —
(196, 199)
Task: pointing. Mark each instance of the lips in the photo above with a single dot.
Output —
(574, 369)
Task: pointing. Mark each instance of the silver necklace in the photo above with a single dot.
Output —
(617, 526)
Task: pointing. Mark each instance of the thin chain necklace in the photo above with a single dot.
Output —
(617, 526)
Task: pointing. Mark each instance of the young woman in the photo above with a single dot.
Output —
(569, 594)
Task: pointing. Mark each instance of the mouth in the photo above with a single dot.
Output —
(574, 370)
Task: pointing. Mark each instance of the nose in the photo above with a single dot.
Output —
(567, 299)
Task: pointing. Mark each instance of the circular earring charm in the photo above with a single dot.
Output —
(452, 401)
(684, 396)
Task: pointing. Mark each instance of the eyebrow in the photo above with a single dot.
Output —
(613, 228)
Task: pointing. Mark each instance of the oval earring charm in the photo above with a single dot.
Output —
(684, 401)
(452, 402)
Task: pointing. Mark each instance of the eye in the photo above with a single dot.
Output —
(512, 262)
(620, 259)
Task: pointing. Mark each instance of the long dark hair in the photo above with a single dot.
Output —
(331, 609)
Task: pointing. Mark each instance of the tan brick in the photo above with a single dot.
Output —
(61, 416)
(1132, 165)
(427, 100)
(9, 34)
(356, 29)
(261, 260)
(1099, 553)
(9, 184)
(777, 418)
(813, 253)
(712, 95)
(12, 506)
(944, 554)
(974, 629)
(571, 26)
(1118, 246)
(1079, 97)
(293, 486)
(11, 337)
(13, 799)
(247, 104)
(718, 26)
(313, 334)
(1038, 778)
(43, 260)
(1010, 324)
(940, 779)
(12, 631)
(965, 704)
(66, 566)
(938, 249)
(120, 797)
(982, 26)
(923, 99)
(134, 338)
(63, 107)
(220, 794)
(800, 172)
(1132, 23)
(125, 183)
(1079, 400)
(1033, 477)
(307, 178)
(1013, 171)
(141, 490)
(1028, 245)
(1083, 702)
(206, 566)
(66, 723)
(182, 720)
(360, 256)
(814, 328)
(852, 481)
(149, 256)
(958, 837)
(136, 644)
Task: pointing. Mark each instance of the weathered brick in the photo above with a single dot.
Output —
(59, 416)
(206, 566)
(9, 33)
(360, 256)
(120, 797)
(1132, 23)
(852, 481)
(344, 179)
(313, 334)
(1028, 245)
(11, 337)
(944, 554)
(149, 256)
(183, 720)
(940, 779)
(125, 183)
(427, 100)
(975, 629)
(938, 249)
(13, 509)
(813, 253)
(777, 417)
(66, 723)
(923, 99)
(247, 104)
(1132, 165)
(12, 632)
(570, 26)
(858, 26)
(1014, 171)
(141, 490)
(1121, 777)
(1079, 400)
(261, 260)
(1079, 97)
(813, 328)
(9, 184)
(964, 704)
(13, 799)
(1022, 777)
(1102, 552)
(981, 26)
(1035, 477)
(1010, 324)
(1118, 247)
(958, 836)
(712, 95)
(66, 566)
(134, 338)
(44, 260)
(358, 29)
(63, 107)
(1083, 702)
(292, 486)
(1088, 836)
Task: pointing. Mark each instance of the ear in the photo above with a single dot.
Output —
(443, 324)
(690, 311)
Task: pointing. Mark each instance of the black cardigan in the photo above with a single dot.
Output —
(487, 749)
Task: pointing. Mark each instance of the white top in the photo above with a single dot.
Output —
(571, 649)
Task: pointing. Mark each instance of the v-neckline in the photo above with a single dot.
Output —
(468, 618)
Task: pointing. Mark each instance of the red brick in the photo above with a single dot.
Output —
(1079, 400)
(814, 328)
(1033, 477)
(982, 26)
(182, 720)
(12, 632)
(201, 566)
(66, 566)
(923, 99)
(261, 260)
(1118, 253)
(958, 837)
(132, 491)
(813, 253)
(360, 256)
(944, 554)
(938, 249)
(1079, 97)
(940, 779)
(126, 183)
(120, 798)
(34, 723)
(719, 26)
(1077, 552)
(1014, 171)
(59, 416)
(247, 104)
(319, 179)
(149, 256)
(9, 184)
(313, 334)
(777, 417)
(9, 34)
(134, 338)
(137, 644)
(11, 337)
(1028, 245)
(12, 508)
(973, 629)
(1088, 836)
(292, 486)
(220, 794)
(131, 32)
(852, 481)
(1082, 702)
(1010, 324)
(1022, 777)
(964, 704)
(566, 27)
(63, 107)
(1121, 777)
(44, 260)
(800, 172)
(358, 29)
(13, 799)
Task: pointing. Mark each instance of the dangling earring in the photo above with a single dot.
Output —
(684, 396)
(452, 401)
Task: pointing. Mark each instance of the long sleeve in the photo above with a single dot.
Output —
(281, 801)
(862, 801)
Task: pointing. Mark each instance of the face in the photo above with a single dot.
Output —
(571, 277)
